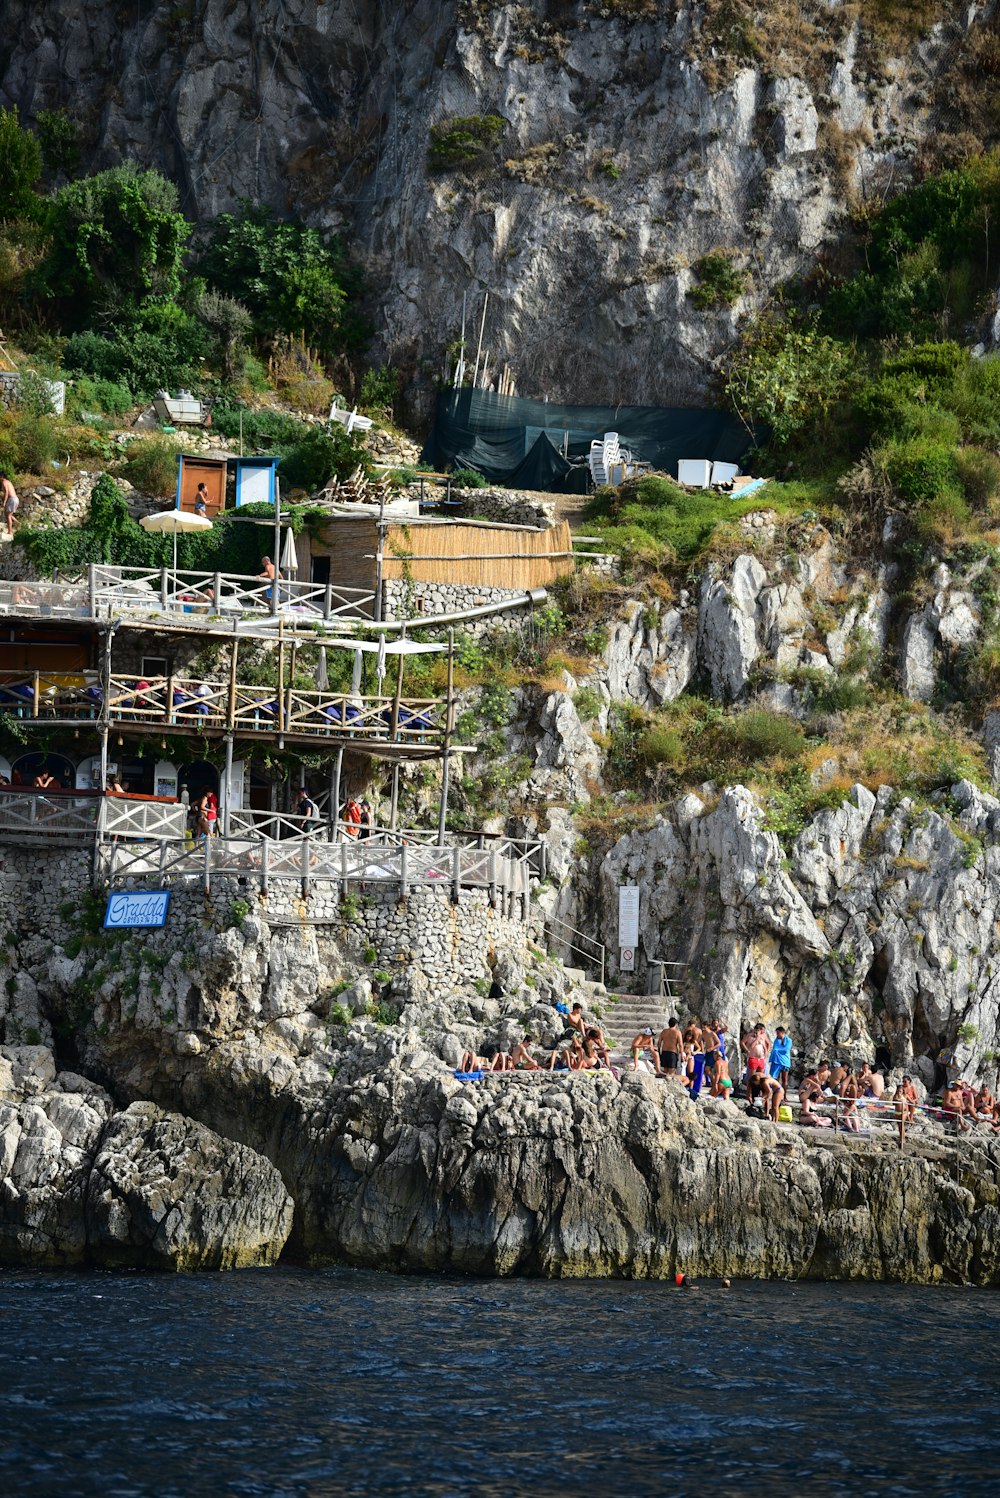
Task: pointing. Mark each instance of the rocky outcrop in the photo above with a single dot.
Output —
(631, 145)
(528, 1175)
(882, 922)
(83, 1184)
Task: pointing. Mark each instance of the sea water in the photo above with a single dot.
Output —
(342, 1382)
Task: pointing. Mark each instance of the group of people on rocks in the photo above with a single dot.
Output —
(699, 1054)
(583, 1047)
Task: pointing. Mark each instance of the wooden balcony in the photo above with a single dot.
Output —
(502, 868)
(207, 599)
(391, 726)
(74, 818)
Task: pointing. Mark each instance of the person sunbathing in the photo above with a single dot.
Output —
(953, 1107)
(984, 1103)
(522, 1058)
(492, 1059)
(644, 1042)
(565, 1059)
(850, 1091)
(595, 1035)
(809, 1097)
(872, 1082)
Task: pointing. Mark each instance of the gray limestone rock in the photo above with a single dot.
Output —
(167, 1193)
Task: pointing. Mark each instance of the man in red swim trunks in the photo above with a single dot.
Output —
(757, 1050)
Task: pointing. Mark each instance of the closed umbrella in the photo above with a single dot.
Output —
(322, 674)
(172, 522)
(289, 556)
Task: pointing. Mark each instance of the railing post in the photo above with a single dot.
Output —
(456, 872)
(493, 877)
(37, 697)
(217, 592)
(92, 590)
(305, 865)
(403, 871)
(328, 601)
(208, 865)
(163, 589)
(265, 845)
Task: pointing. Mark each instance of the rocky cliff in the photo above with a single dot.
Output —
(632, 138)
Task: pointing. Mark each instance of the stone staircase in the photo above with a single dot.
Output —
(623, 1018)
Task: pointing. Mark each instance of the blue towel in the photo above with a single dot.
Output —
(470, 1076)
(698, 1063)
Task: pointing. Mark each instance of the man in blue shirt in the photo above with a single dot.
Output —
(780, 1060)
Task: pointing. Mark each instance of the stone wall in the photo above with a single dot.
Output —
(445, 941)
(507, 506)
(413, 600)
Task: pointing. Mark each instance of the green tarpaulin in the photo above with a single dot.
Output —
(520, 443)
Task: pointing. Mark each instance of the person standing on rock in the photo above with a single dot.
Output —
(780, 1060)
(670, 1044)
(10, 501)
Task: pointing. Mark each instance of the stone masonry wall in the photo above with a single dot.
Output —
(448, 942)
(413, 600)
(507, 506)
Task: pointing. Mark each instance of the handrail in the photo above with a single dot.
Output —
(599, 949)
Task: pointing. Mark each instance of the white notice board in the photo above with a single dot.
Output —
(628, 915)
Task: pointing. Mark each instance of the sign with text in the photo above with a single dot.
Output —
(128, 909)
(628, 915)
(626, 963)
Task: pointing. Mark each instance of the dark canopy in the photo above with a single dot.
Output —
(520, 443)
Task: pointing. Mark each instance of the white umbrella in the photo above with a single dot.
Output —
(289, 556)
(322, 674)
(172, 522)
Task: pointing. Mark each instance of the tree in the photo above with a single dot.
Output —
(785, 375)
(118, 235)
(20, 169)
(293, 279)
(230, 324)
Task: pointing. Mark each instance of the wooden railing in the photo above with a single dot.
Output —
(79, 816)
(100, 591)
(310, 860)
(181, 700)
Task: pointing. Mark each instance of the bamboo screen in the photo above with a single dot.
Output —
(478, 555)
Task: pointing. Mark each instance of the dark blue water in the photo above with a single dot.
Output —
(338, 1382)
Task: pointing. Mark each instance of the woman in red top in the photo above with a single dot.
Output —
(352, 817)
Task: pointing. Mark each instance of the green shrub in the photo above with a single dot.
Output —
(786, 376)
(379, 393)
(28, 443)
(720, 283)
(661, 747)
(323, 453)
(588, 703)
(757, 735)
(20, 169)
(468, 478)
(151, 466)
(155, 346)
(292, 279)
(464, 142)
(118, 234)
(920, 470)
(263, 429)
(979, 475)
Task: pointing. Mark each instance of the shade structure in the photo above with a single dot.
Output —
(289, 556)
(172, 522)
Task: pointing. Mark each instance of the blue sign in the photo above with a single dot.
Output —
(130, 908)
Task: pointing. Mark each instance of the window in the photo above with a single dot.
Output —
(154, 665)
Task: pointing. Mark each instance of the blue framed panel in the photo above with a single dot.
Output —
(255, 480)
(131, 908)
